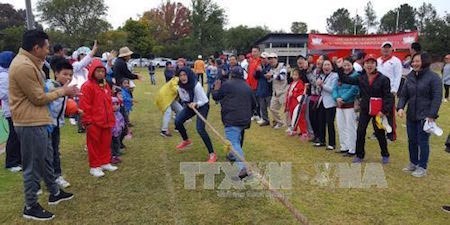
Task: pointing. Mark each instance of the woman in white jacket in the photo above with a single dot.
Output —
(84, 57)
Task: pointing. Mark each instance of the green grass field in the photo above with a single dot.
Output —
(149, 189)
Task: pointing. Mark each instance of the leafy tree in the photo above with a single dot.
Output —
(425, 14)
(435, 36)
(241, 38)
(80, 20)
(208, 20)
(339, 22)
(370, 16)
(299, 27)
(407, 19)
(313, 31)
(112, 40)
(9, 17)
(11, 38)
(170, 21)
(139, 37)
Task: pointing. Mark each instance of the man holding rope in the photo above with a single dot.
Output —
(238, 105)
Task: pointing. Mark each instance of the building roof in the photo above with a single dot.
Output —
(283, 38)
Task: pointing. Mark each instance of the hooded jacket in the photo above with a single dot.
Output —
(96, 100)
(6, 58)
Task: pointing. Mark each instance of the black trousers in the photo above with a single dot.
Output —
(13, 155)
(326, 121)
(200, 76)
(314, 119)
(446, 87)
(364, 119)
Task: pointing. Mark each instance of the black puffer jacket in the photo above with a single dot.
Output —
(380, 88)
(237, 101)
(422, 92)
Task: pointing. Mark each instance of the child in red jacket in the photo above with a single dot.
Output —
(98, 118)
(295, 92)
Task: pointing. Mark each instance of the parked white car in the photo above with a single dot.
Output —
(143, 62)
(161, 62)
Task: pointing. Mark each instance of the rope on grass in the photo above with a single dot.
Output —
(278, 195)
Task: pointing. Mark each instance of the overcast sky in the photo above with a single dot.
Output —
(276, 14)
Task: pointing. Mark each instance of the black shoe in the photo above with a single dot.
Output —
(349, 154)
(242, 174)
(36, 212)
(122, 146)
(446, 208)
(265, 123)
(165, 133)
(81, 131)
(62, 196)
(130, 125)
(342, 151)
(230, 157)
(447, 149)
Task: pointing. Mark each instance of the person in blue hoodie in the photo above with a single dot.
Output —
(345, 96)
(13, 157)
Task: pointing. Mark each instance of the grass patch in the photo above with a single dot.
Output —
(149, 189)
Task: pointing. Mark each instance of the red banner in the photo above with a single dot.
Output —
(340, 42)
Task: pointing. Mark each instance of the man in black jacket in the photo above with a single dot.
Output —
(120, 68)
(238, 105)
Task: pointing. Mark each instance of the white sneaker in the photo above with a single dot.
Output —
(419, 172)
(278, 126)
(39, 192)
(410, 168)
(261, 121)
(445, 100)
(109, 167)
(62, 182)
(97, 172)
(15, 169)
(73, 121)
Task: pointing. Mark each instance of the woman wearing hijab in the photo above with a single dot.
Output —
(192, 96)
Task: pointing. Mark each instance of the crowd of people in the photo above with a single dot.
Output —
(306, 100)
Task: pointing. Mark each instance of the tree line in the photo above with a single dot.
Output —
(175, 30)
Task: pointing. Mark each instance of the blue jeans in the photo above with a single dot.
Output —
(188, 113)
(211, 82)
(234, 135)
(418, 143)
(56, 155)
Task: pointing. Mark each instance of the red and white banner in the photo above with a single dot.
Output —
(341, 42)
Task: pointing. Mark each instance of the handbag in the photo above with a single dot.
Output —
(375, 106)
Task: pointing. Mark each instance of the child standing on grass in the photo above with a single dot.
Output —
(117, 130)
(63, 74)
(296, 91)
(98, 118)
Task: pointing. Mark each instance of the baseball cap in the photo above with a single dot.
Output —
(387, 43)
(273, 55)
(370, 57)
(264, 55)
